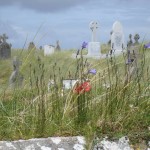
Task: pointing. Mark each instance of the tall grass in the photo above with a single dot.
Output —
(112, 107)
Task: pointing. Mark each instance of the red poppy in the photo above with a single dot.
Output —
(82, 88)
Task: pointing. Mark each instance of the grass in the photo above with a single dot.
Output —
(111, 108)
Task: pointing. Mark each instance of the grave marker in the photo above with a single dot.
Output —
(57, 48)
(16, 77)
(48, 50)
(69, 83)
(117, 38)
(5, 48)
(94, 46)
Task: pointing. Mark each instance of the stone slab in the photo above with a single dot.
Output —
(50, 143)
(89, 56)
(94, 49)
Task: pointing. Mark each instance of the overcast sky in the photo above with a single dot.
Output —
(46, 21)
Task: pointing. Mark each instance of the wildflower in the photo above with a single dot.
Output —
(83, 87)
(84, 45)
(86, 86)
(92, 71)
(147, 45)
(129, 61)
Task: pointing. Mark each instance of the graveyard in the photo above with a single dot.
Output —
(95, 97)
(52, 94)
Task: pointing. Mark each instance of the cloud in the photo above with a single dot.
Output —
(16, 35)
(8, 29)
(148, 19)
(44, 5)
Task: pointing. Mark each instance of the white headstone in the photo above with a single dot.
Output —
(48, 50)
(69, 84)
(94, 46)
(117, 38)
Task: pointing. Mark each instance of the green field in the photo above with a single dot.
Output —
(112, 107)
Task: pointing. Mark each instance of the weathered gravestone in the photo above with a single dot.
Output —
(94, 46)
(57, 48)
(133, 52)
(130, 42)
(31, 46)
(48, 50)
(16, 77)
(40, 48)
(5, 48)
(117, 38)
(133, 56)
(136, 38)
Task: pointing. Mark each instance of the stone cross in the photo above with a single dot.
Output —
(93, 27)
(5, 48)
(4, 37)
(57, 48)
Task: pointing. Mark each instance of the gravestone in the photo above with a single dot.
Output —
(117, 38)
(31, 46)
(57, 48)
(5, 48)
(136, 38)
(131, 66)
(133, 57)
(69, 83)
(94, 46)
(16, 77)
(135, 50)
(94, 49)
(130, 42)
(48, 50)
(40, 48)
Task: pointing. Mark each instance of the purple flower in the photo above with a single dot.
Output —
(84, 45)
(92, 71)
(147, 45)
(129, 61)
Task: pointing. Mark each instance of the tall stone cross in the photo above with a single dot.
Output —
(93, 27)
